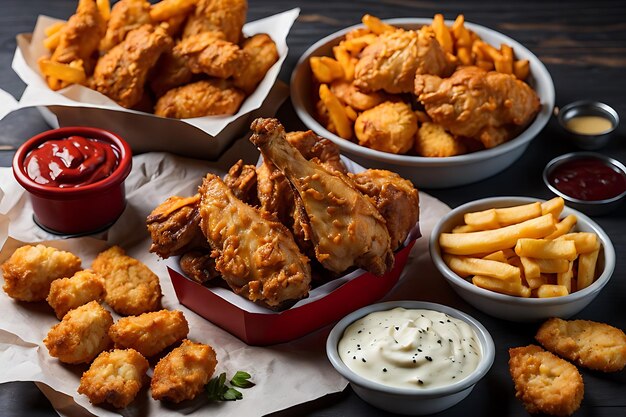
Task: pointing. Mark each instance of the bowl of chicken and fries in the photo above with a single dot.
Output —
(523, 259)
(440, 102)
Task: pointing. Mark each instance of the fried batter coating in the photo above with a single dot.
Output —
(183, 373)
(114, 377)
(29, 272)
(68, 293)
(169, 72)
(544, 382)
(226, 16)
(126, 15)
(350, 95)
(432, 140)
(388, 127)
(312, 146)
(131, 287)
(202, 98)
(199, 266)
(241, 179)
(587, 343)
(149, 333)
(261, 54)
(209, 53)
(81, 335)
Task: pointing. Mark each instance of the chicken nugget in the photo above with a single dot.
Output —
(388, 127)
(544, 382)
(114, 377)
(183, 373)
(587, 343)
(210, 97)
(262, 54)
(69, 293)
(81, 335)
(29, 272)
(433, 140)
(131, 287)
(149, 333)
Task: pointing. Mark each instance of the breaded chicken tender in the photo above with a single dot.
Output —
(183, 373)
(544, 382)
(209, 53)
(114, 377)
(69, 293)
(149, 333)
(261, 54)
(432, 140)
(131, 287)
(29, 272)
(81, 335)
(203, 98)
(587, 343)
(388, 127)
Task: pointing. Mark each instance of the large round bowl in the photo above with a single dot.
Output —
(428, 172)
(517, 308)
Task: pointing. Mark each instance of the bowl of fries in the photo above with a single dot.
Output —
(406, 140)
(523, 259)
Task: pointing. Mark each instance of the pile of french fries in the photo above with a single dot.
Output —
(524, 251)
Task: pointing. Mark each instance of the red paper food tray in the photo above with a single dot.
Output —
(276, 327)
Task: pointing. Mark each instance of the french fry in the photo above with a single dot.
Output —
(104, 7)
(442, 34)
(465, 55)
(496, 256)
(553, 206)
(565, 278)
(336, 112)
(486, 65)
(326, 69)
(165, 9)
(503, 287)
(531, 269)
(351, 113)
(356, 45)
(585, 242)
(482, 220)
(347, 61)
(69, 73)
(505, 63)
(54, 28)
(563, 226)
(521, 69)
(52, 41)
(587, 268)
(511, 215)
(548, 291)
(489, 51)
(464, 267)
(376, 25)
(536, 282)
(552, 266)
(546, 249)
(462, 36)
(464, 228)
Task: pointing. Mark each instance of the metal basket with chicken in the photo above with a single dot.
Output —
(273, 231)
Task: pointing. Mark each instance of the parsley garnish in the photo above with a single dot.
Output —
(217, 390)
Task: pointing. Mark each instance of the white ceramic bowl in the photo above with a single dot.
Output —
(406, 400)
(517, 308)
(428, 172)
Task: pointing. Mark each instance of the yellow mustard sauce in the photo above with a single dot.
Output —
(588, 125)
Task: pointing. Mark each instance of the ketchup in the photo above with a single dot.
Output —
(71, 162)
(588, 179)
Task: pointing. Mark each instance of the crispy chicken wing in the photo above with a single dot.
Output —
(126, 15)
(391, 62)
(346, 228)
(312, 146)
(202, 98)
(274, 192)
(388, 127)
(122, 72)
(256, 255)
(488, 106)
(68, 293)
(209, 53)
(242, 180)
(544, 382)
(396, 199)
(226, 16)
(261, 53)
(199, 266)
(587, 343)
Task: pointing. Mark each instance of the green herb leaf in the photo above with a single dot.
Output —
(216, 387)
(232, 394)
(241, 380)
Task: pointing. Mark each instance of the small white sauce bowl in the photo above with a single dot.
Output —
(406, 400)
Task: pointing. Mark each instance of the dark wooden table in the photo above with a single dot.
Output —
(583, 44)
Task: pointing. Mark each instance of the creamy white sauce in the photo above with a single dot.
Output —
(410, 348)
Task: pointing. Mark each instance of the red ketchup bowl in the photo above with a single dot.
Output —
(75, 178)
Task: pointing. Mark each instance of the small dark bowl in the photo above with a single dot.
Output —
(80, 210)
(590, 207)
(589, 108)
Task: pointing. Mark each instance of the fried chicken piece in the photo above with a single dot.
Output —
(261, 54)
(274, 192)
(209, 53)
(174, 227)
(126, 15)
(544, 382)
(114, 377)
(346, 228)
(131, 287)
(396, 199)
(30, 270)
(183, 373)
(256, 255)
(241, 179)
(351, 96)
(121, 73)
(149, 333)
(391, 62)
(170, 72)
(198, 266)
(488, 106)
(68, 293)
(593, 345)
(81, 335)
(312, 146)
(388, 127)
(226, 16)
(432, 140)
(202, 98)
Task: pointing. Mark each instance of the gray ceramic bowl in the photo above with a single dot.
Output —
(406, 400)
(517, 308)
(428, 172)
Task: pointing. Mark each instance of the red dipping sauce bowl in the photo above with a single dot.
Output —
(589, 182)
(75, 178)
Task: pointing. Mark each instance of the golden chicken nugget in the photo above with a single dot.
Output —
(69, 293)
(149, 333)
(183, 373)
(544, 382)
(81, 335)
(432, 140)
(587, 343)
(388, 127)
(131, 287)
(29, 272)
(114, 377)
(262, 55)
